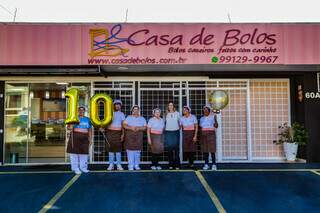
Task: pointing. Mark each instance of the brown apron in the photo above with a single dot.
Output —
(208, 141)
(133, 140)
(188, 144)
(114, 139)
(78, 143)
(157, 145)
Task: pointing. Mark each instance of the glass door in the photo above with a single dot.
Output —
(34, 121)
(47, 129)
(16, 123)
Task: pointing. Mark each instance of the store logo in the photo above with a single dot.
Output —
(105, 43)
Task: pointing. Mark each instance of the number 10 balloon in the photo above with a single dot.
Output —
(72, 105)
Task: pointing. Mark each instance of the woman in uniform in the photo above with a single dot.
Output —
(172, 136)
(208, 124)
(79, 143)
(189, 125)
(155, 137)
(134, 126)
(115, 136)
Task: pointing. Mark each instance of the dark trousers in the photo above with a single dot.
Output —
(189, 156)
(206, 157)
(155, 158)
(174, 159)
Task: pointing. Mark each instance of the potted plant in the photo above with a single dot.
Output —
(291, 137)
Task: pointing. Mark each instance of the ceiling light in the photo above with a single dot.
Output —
(123, 68)
(31, 94)
(47, 94)
(63, 94)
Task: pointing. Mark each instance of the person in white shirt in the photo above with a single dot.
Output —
(172, 136)
(208, 124)
(115, 136)
(189, 125)
(155, 137)
(134, 126)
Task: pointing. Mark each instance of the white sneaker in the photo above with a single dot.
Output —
(130, 168)
(119, 167)
(205, 167)
(77, 172)
(153, 167)
(137, 168)
(214, 167)
(110, 167)
(159, 168)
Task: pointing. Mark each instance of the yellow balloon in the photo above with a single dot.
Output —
(73, 97)
(94, 110)
(219, 99)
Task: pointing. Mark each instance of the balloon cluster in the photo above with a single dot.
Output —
(72, 106)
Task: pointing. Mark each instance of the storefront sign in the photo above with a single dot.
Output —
(229, 45)
(136, 44)
(312, 95)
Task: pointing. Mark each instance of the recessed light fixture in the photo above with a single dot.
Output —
(16, 89)
(123, 68)
(61, 83)
(47, 94)
(63, 94)
(31, 94)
